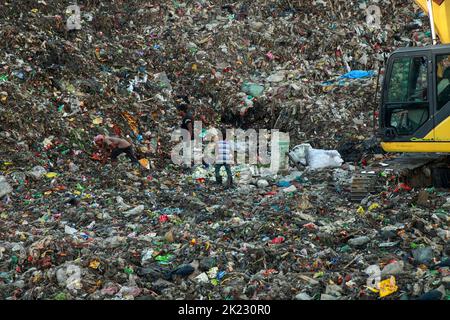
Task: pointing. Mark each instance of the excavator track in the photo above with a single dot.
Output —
(417, 170)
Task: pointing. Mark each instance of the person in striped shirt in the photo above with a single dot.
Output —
(224, 157)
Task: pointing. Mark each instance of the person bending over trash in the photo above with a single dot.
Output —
(116, 146)
(224, 157)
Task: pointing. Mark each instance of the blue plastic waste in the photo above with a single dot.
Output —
(284, 184)
(220, 275)
(357, 74)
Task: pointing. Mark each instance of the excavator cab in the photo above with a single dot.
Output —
(414, 115)
(415, 100)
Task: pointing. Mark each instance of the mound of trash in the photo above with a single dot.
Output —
(72, 227)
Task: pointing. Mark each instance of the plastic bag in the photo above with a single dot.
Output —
(5, 188)
(388, 287)
(300, 152)
(252, 89)
(357, 74)
(374, 279)
(320, 159)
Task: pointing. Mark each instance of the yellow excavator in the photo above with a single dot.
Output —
(415, 100)
(414, 114)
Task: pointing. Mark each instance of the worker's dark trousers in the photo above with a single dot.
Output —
(128, 151)
(229, 175)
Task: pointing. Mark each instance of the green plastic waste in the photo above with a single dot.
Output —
(203, 133)
(433, 272)
(6, 277)
(214, 282)
(441, 213)
(60, 296)
(253, 89)
(318, 275)
(164, 259)
(128, 270)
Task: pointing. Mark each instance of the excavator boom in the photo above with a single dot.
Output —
(441, 15)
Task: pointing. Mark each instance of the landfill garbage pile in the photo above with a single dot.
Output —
(124, 235)
(268, 64)
(74, 228)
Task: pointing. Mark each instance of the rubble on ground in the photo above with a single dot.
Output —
(74, 228)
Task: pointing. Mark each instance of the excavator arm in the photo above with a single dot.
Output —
(441, 14)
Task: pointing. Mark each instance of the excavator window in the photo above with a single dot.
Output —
(407, 98)
(443, 80)
(408, 80)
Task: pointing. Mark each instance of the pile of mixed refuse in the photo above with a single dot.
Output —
(76, 228)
